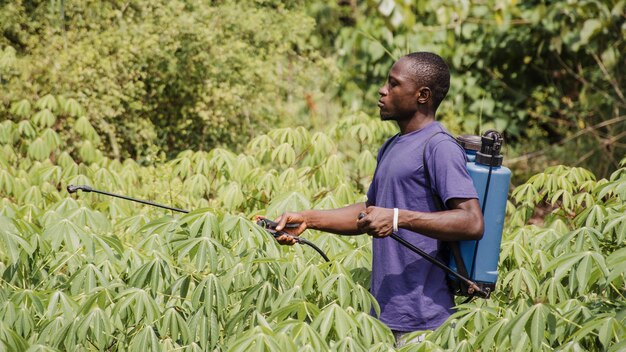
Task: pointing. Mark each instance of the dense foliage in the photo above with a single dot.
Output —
(93, 273)
(548, 73)
(163, 75)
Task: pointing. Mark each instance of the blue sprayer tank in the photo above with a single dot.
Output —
(491, 181)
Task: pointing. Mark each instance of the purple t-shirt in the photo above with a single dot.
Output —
(413, 293)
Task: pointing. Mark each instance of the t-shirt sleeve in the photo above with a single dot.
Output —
(448, 172)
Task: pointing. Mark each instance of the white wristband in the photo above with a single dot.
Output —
(395, 219)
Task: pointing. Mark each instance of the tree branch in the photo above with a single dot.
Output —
(608, 77)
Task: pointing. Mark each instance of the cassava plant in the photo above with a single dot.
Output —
(95, 273)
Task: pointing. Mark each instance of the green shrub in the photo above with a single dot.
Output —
(165, 75)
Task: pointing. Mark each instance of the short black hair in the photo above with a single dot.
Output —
(430, 70)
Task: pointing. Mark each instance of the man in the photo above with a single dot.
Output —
(412, 293)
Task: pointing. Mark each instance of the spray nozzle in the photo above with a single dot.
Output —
(73, 189)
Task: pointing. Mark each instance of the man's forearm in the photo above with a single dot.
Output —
(448, 225)
(341, 221)
(464, 221)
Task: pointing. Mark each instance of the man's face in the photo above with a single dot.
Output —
(398, 97)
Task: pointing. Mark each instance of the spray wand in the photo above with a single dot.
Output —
(266, 224)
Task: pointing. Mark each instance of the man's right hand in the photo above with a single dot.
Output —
(290, 218)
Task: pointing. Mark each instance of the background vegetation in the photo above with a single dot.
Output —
(548, 73)
(240, 108)
(164, 75)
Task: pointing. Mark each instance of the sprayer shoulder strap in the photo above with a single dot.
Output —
(438, 201)
(385, 146)
(453, 245)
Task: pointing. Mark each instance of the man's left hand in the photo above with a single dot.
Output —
(377, 222)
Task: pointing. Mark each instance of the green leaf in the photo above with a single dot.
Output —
(205, 329)
(616, 261)
(26, 129)
(84, 128)
(135, 305)
(95, 328)
(51, 138)
(198, 185)
(537, 329)
(209, 295)
(173, 324)
(7, 130)
(298, 309)
(72, 108)
(60, 303)
(13, 245)
(361, 132)
(10, 340)
(153, 275)
(303, 334)
(21, 108)
(526, 193)
(87, 279)
(290, 201)
(590, 28)
(488, 337)
(588, 267)
(203, 251)
(284, 154)
(145, 340)
(47, 102)
(39, 149)
(231, 195)
(44, 118)
(259, 339)
(88, 152)
(202, 223)
(334, 322)
(65, 233)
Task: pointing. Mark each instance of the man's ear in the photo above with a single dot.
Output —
(423, 95)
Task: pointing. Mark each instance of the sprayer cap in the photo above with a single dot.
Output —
(488, 160)
(489, 153)
(469, 141)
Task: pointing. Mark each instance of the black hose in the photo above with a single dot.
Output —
(308, 243)
(270, 226)
(472, 285)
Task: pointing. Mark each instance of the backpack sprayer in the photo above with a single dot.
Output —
(266, 224)
(491, 181)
